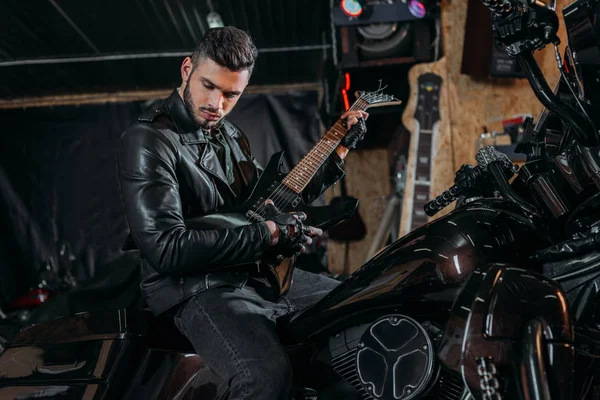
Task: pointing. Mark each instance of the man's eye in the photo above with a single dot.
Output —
(209, 87)
(230, 95)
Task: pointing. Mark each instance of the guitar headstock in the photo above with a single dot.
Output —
(377, 98)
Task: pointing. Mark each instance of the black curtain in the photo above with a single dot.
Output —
(58, 177)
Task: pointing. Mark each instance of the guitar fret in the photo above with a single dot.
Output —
(299, 177)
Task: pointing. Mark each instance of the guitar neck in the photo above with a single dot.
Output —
(300, 176)
(426, 116)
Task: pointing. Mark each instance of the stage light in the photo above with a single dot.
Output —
(351, 8)
(417, 8)
(214, 20)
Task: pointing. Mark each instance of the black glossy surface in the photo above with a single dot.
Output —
(488, 319)
(422, 272)
(104, 355)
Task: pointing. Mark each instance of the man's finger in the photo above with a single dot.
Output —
(353, 113)
(312, 231)
(299, 215)
(351, 121)
(270, 208)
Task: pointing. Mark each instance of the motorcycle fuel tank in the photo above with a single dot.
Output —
(421, 273)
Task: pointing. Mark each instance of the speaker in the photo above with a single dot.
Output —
(386, 33)
(482, 56)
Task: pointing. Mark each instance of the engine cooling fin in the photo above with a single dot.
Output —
(392, 358)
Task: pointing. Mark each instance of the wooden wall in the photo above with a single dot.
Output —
(472, 104)
(478, 103)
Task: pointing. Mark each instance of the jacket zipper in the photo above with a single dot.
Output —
(216, 201)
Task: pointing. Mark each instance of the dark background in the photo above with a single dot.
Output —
(59, 196)
(58, 176)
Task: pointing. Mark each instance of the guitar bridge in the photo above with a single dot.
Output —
(254, 216)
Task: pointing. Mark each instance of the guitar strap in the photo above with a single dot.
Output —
(346, 270)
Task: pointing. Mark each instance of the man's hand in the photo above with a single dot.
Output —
(288, 233)
(355, 123)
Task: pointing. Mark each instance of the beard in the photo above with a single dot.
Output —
(192, 109)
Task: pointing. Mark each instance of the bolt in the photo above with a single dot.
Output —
(361, 344)
(424, 347)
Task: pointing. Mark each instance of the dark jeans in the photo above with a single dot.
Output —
(233, 330)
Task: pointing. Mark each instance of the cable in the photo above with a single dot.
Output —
(561, 68)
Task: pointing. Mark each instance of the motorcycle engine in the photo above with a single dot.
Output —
(393, 358)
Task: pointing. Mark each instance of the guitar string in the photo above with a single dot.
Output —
(279, 196)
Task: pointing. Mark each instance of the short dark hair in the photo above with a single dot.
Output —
(229, 47)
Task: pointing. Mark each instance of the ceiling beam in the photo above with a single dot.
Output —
(132, 56)
(140, 95)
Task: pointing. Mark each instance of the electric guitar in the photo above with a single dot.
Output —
(285, 190)
(430, 140)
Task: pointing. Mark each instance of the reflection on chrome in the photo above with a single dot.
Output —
(455, 258)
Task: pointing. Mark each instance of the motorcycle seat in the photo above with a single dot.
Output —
(159, 332)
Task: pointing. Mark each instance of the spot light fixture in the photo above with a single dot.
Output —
(352, 8)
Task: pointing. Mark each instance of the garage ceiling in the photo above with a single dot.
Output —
(51, 47)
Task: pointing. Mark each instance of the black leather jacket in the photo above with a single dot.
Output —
(168, 174)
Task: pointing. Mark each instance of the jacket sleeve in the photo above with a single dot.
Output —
(150, 194)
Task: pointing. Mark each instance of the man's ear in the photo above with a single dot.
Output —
(186, 69)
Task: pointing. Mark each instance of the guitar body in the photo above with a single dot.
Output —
(269, 186)
(430, 166)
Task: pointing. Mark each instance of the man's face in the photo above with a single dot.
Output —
(211, 91)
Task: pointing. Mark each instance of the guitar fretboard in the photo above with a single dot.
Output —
(422, 179)
(299, 177)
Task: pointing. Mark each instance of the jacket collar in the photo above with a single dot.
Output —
(191, 135)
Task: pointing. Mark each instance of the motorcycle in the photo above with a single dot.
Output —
(497, 299)
(55, 277)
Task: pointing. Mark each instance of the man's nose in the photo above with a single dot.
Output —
(215, 101)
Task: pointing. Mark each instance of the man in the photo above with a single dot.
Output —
(183, 159)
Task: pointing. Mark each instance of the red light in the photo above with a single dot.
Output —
(345, 91)
(351, 8)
